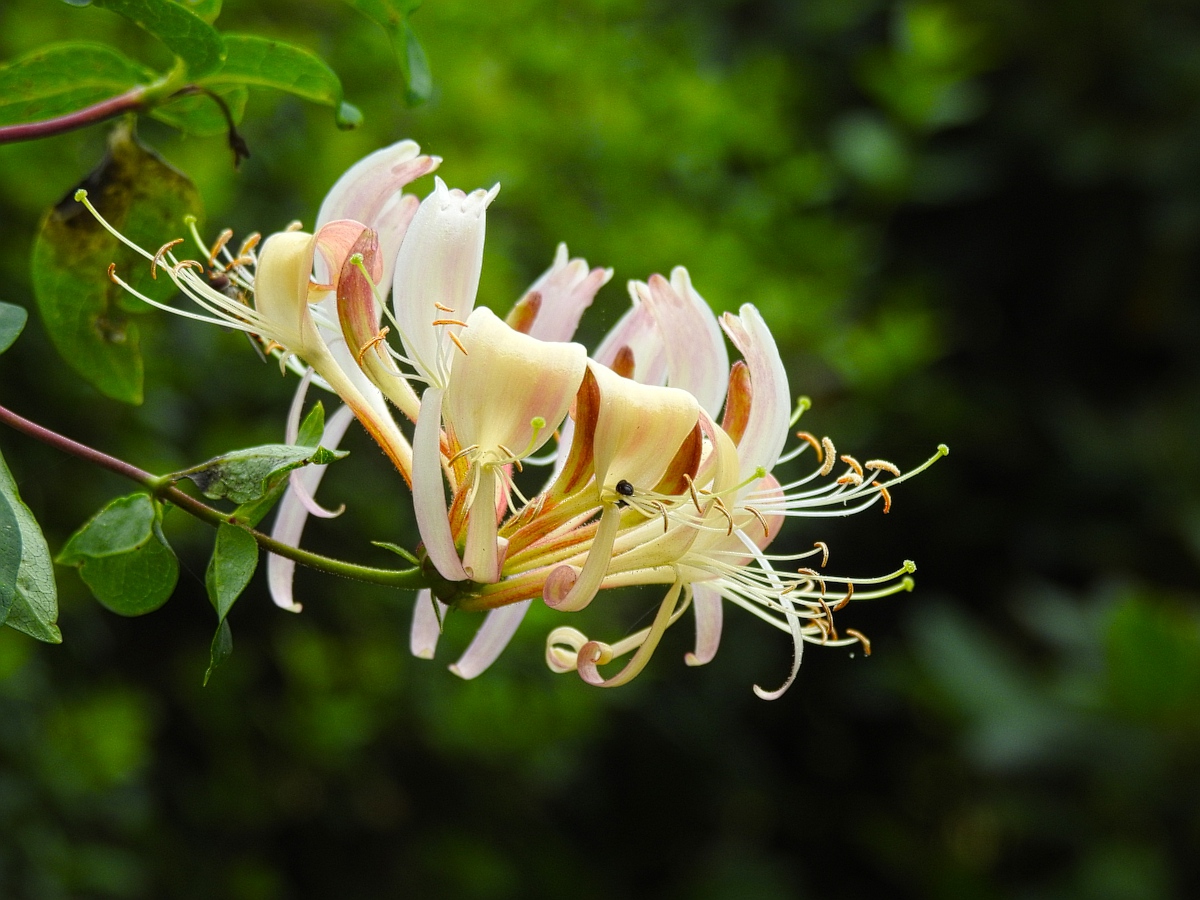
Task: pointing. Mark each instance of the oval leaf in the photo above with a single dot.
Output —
(10, 555)
(184, 33)
(221, 649)
(62, 78)
(12, 323)
(234, 559)
(123, 526)
(34, 604)
(274, 64)
(309, 435)
(208, 10)
(86, 315)
(136, 582)
(247, 475)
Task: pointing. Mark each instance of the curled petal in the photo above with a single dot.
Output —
(334, 243)
(428, 613)
(697, 360)
(289, 522)
(638, 331)
(593, 653)
(767, 424)
(706, 603)
(566, 289)
(562, 649)
(571, 589)
(367, 187)
(429, 497)
(491, 639)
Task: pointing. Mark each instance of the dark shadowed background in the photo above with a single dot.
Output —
(970, 221)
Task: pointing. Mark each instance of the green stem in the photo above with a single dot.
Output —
(163, 489)
(81, 118)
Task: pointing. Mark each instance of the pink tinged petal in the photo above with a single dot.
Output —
(367, 186)
(426, 624)
(567, 288)
(335, 242)
(429, 497)
(639, 428)
(771, 405)
(506, 380)
(593, 653)
(391, 226)
(697, 360)
(569, 588)
(491, 639)
(289, 521)
(638, 331)
(793, 620)
(706, 603)
(437, 275)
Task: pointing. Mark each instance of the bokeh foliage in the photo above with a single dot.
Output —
(966, 221)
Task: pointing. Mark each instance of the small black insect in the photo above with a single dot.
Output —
(625, 489)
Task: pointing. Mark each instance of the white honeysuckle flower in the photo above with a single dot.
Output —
(648, 487)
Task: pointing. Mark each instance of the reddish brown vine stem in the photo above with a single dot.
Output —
(81, 118)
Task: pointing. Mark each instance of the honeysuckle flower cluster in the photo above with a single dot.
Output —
(661, 455)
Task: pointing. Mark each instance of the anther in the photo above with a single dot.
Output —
(884, 465)
(862, 639)
(450, 322)
(812, 441)
(761, 521)
(458, 343)
(461, 453)
(846, 599)
(815, 576)
(443, 308)
(830, 456)
(249, 244)
(222, 240)
(512, 458)
(852, 463)
(373, 342)
(829, 618)
(162, 251)
(887, 498)
(724, 510)
(294, 225)
(851, 478)
(692, 491)
(658, 504)
(187, 264)
(824, 548)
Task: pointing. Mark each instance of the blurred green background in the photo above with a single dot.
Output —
(968, 221)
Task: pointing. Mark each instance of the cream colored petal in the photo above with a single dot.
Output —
(638, 429)
(505, 381)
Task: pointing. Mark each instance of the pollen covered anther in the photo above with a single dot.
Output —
(219, 245)
(812, 441)
(849, 593)
(162, 251)
(374, 342)
(824, 548)
(887, 497)
(862, 639)
(830, 456)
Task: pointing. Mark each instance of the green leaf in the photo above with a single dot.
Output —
(1153, 652)
(393, 17)
(86, 315)
(246, 475)
(208, 10)
(12, 323)
(265, 63)
(184, 33)
(200, 114)
(309, 435)
(62, 78)
(136, 582)
(34, 605)
(124, 525)
(10, 555)
(234, 559)
(221, 650)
